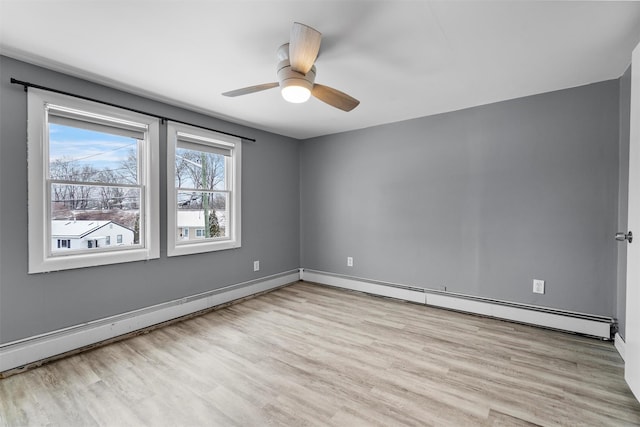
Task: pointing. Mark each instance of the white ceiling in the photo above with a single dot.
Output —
(401, 59)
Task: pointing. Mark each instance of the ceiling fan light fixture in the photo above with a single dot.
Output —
(296, 92)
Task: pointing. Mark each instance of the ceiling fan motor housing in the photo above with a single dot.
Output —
(288, 77)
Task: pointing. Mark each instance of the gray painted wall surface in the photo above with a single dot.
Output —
(34, 304)
(481, 200)
(623, 195)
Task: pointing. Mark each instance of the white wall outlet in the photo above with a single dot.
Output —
(538, 286)
(256, 265)
(349, 261)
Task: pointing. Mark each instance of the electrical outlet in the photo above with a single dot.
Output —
(538, 286)
(256, 265)
(349, 261)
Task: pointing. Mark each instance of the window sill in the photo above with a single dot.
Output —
(70, 262)
(202, 247)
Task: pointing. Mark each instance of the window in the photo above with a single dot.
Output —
(203, 186)
(185, 233)
(107, 240)
(89, 165)
(119, 239)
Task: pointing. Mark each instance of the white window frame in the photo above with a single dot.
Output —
(40, 255)
(175, 246)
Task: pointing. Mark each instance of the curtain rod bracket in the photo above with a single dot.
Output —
(25, 86)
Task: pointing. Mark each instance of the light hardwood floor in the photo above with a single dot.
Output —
(312, 355)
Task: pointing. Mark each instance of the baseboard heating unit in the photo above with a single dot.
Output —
(593, 325)
(19, 353)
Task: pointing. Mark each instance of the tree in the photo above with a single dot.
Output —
(129, 168)
(214, 226)
(110, 197)
(205, 196)
(70, 195)
(136, 230)
(199, 170)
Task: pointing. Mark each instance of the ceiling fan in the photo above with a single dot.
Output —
(297, 72)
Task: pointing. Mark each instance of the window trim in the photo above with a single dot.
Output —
(40, 255)
(210, 140)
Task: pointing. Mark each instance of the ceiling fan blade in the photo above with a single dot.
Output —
(251, 89)
(304, 46)
(334, 97)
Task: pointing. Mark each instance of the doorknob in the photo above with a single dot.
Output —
(621, 237)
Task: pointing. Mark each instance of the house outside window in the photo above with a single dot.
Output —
(203, 186)
(89, 165)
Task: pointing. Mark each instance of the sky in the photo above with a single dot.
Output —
(87, 147)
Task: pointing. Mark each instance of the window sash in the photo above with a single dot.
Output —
(228, 216)
(142, 236)
(93, 183)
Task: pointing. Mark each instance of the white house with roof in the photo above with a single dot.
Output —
(191, 223)
(88, 234)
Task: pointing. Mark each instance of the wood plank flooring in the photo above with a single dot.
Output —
(308, 355)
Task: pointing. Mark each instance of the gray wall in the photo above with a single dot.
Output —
(481, 200)
(623, 195)
(34, 304)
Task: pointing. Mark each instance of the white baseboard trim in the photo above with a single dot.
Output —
(403, 293)
(597, 326)
(19, 353)
(555, 319)
(620, 345)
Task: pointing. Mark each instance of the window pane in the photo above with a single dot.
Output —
(196, 210)
(92, 217)
(200, 170)
(77, 154)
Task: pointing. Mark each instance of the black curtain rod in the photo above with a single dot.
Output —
(86, 98)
